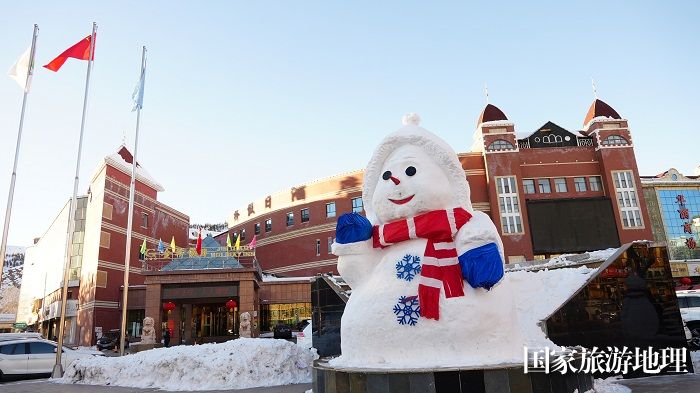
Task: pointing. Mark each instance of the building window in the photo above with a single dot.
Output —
(242, 234)
(508, 205)
(543, 186)
(105, 238)
(560, 184)
(330, 244)
(580, 184)
(595, 183)
(499, 145)
(357, 205)
(305, 215)
(318, 247)
(627, 199)
(256, 228)
(330, 209)
(528, 186)
(290, 219)
(101, 279)
(268, 225)
(107, 211)
(615, 140)
(144, 220)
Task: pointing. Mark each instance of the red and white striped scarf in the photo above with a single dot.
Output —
(440, 265)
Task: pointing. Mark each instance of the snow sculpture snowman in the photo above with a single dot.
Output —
(408, 261)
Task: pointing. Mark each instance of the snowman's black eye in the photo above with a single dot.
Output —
(411, 170)
(386, 175)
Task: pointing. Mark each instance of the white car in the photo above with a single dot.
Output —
(32, 355)
(689, 304)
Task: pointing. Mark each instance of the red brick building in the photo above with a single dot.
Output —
(97, 258)
(551, 192)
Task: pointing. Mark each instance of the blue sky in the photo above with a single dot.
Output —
(246, 98)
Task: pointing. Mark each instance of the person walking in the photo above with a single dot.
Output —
(166, 338)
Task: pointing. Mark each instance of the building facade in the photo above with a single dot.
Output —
(673, 200)
(98, 252)
(551, 192)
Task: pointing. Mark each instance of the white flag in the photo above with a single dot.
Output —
(138, 91)
(22, 70)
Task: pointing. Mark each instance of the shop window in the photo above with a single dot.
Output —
(256, 228)
(305, 215)
(560, 185)
(580, 184)
(107, 211)
(357, 205)
(330, 209)
(543, 186)
(595, 183)
(268, 225)
(290, 219)
(528, 186)
(105, 238)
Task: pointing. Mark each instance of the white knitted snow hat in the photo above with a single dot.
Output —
(434, 146)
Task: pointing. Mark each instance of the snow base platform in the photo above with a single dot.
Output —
(508, 379)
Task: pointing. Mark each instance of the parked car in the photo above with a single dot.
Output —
(35, 356)
(689, 304)
(109, 340)
(282, 330)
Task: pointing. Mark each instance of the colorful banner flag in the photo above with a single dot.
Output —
(80, 51)
(199, 242)
(143, 248)
(22, 70)
(161, 246)
(172, 244)
(253, 242)
(228, 240)
(137, 96)
(238, 242)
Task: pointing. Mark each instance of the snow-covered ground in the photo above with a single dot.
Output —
(608, 386)
(235, 364)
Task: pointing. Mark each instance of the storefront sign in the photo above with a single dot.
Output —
(693, 269)
(679, 269)
(19, 325)
(228, 252)
(197, 292)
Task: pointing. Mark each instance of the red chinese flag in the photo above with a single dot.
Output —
(199, 242)
(80, 51)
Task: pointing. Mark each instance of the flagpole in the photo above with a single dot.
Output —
(58, 368)
(10, 197)
(132, 191)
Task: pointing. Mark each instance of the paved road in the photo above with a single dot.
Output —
(44, 386)
(687, 383)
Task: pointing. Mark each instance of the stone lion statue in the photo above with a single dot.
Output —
(148, 333)
(244, 330)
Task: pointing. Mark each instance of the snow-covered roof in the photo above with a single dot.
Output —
(122, 160)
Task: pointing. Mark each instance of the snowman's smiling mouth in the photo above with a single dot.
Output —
(402, 201)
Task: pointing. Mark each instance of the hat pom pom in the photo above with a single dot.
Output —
(410, 118)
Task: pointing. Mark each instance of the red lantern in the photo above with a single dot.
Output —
(686, 281)
(169, 306)
(231, 304)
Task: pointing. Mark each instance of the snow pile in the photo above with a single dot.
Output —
(608, 386)
(235, 364)
(538, 294)
(565, 260)
(695, 358)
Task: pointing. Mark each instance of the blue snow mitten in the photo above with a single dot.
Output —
(352, 228)
(482, 267)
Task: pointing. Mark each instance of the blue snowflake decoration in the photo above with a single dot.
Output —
(407, 310)
(408, 267)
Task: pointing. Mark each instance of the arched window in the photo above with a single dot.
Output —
(500, 144)
(552, 139)
(615, 140)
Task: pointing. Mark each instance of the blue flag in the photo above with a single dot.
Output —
(138, 91)
(161, 246)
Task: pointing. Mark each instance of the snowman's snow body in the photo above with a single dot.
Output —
(381, 326)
